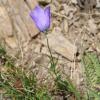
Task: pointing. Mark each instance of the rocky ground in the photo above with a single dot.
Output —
(75, 28)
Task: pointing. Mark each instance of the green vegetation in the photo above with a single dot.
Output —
(92, 73)
(17, 83)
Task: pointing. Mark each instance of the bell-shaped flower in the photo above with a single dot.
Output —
(41, 17)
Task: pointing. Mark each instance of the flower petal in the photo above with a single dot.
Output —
(41, 17)
(48, 15)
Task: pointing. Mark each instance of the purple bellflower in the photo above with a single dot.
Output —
(41, 17)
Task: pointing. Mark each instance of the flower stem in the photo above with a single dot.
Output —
(53, 64)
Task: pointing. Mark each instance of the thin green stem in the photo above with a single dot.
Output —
(53, 64)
